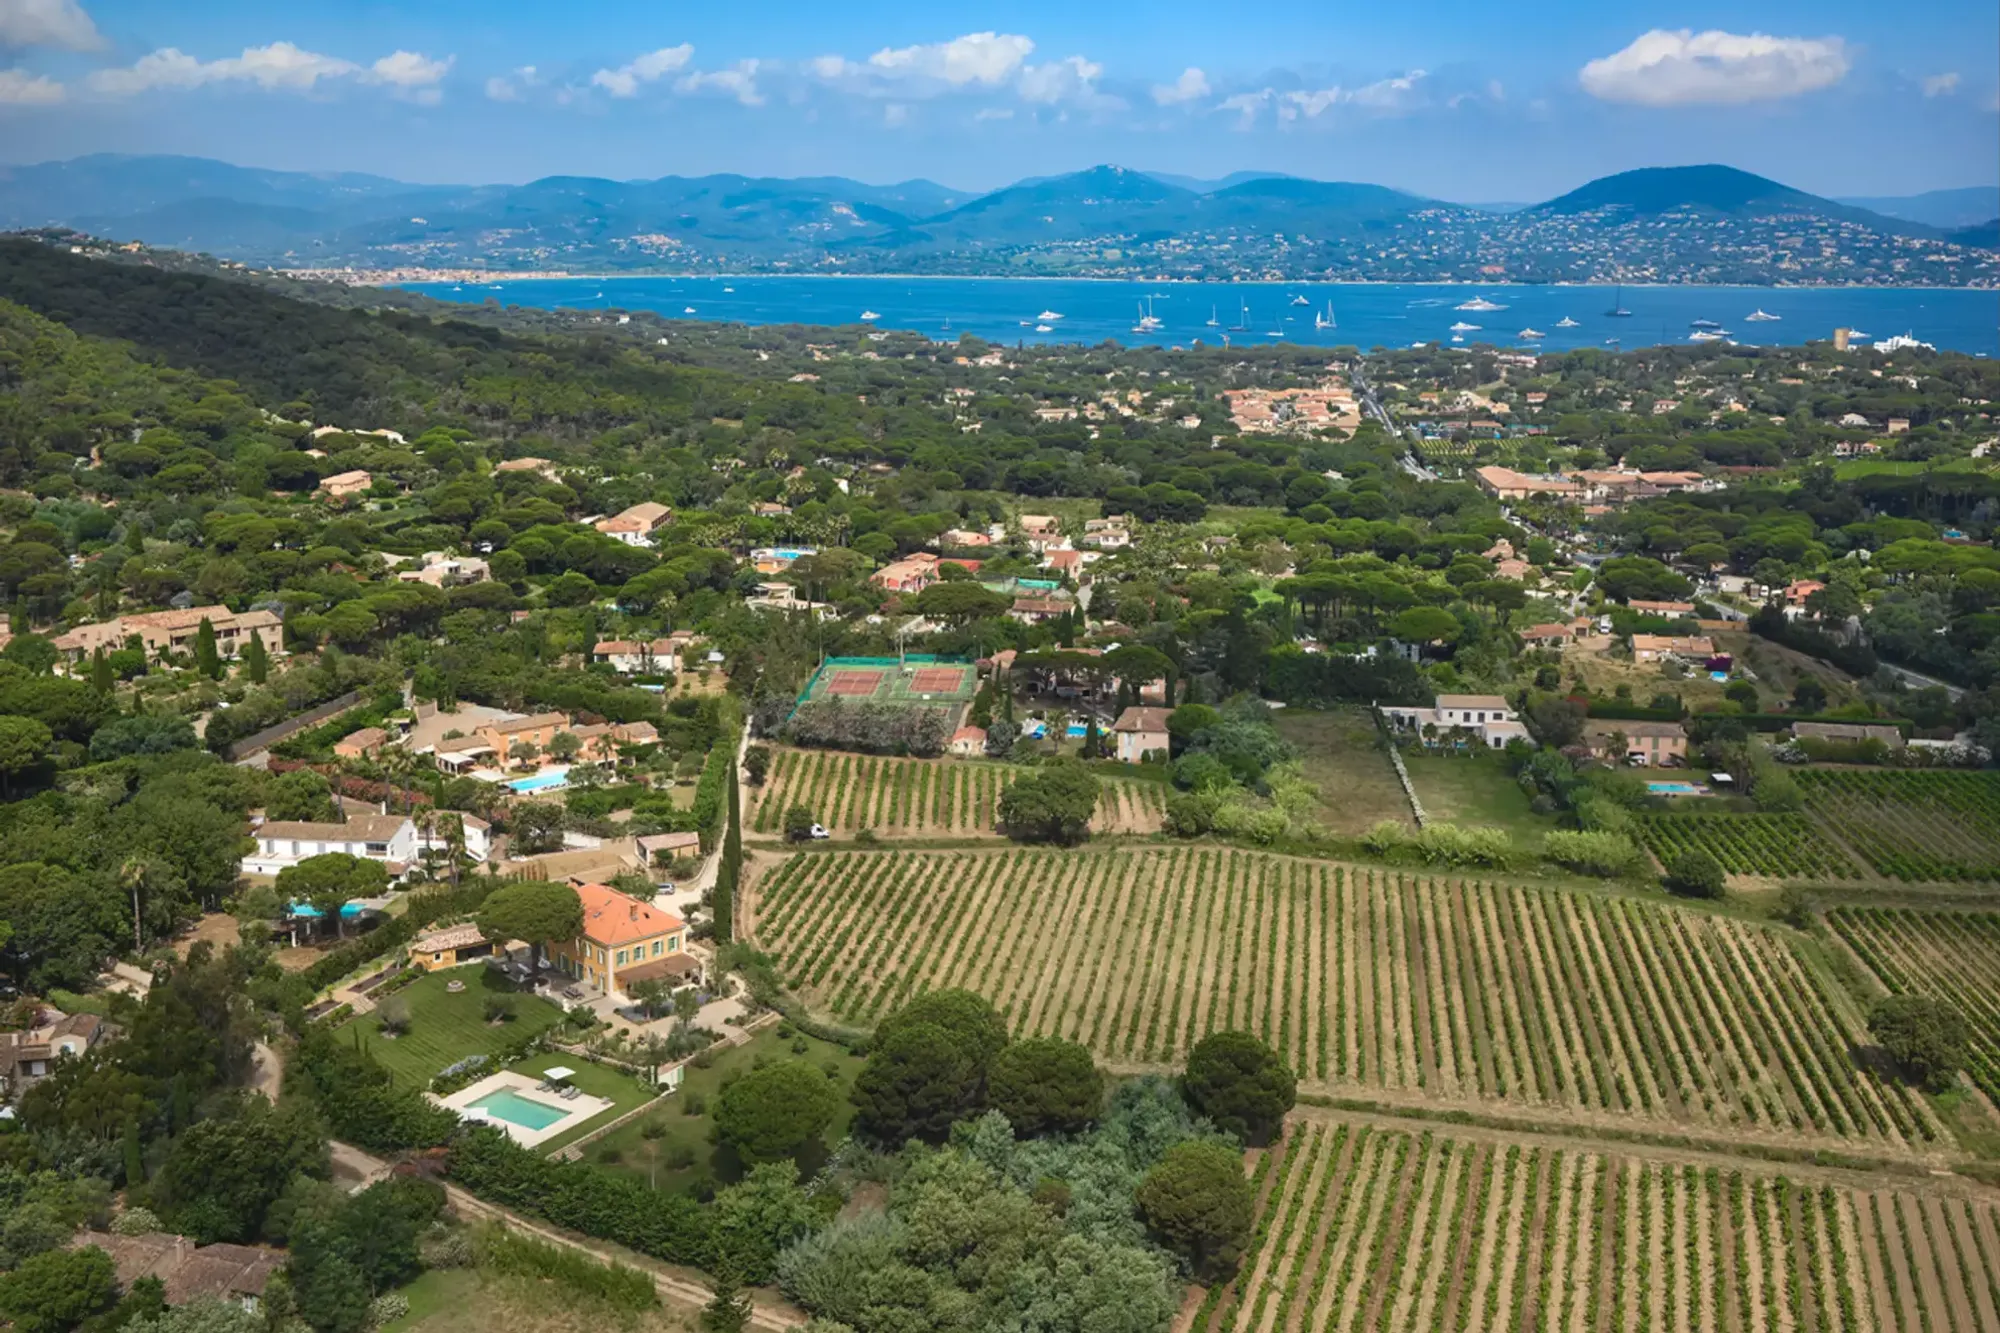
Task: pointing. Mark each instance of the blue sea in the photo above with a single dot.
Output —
(1011, 310)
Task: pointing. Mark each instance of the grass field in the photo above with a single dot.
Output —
(1930, 825)
(1476, 789)
(920, 798)
(1432, 987)
(1953, 956)
(467, 1300)
(629, 1148)
(446, 1027)
(1365, 1228)
(1341, 752)
(1776, 846)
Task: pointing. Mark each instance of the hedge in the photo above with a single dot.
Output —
(608, 1205)
(426, 906)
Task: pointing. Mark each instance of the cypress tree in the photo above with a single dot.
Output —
(101, 678)
(207, 659)
(256, 662)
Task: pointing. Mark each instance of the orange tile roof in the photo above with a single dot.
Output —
(612, 918)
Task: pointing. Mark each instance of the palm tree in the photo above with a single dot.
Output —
(426, 821)
(453, 825)
(133, 875)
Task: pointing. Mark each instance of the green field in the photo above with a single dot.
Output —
(630, 1149)
(1476, 789)
(446, 1027)
(1341, 752)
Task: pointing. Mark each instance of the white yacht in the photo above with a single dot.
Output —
(1479, 303)
(1148, 321)
(687, 310)
(1463, 327)
(1048, 317)
(1709, 336)
(1531, 335)
(1567, 323)
(869, 317)
(1760, 314)
(1045, 328)
(1300, 300)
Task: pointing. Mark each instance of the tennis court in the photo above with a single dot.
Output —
(850, 684)
(917, 681)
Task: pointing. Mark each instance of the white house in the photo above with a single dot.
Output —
(641, 657)
(1486, 716)
(390, 839)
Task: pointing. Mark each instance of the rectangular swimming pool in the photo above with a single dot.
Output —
(555, 777)
(509, 1105)
(1676, 789)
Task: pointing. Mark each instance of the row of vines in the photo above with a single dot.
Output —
(1925, 825)
(1772, 845)
(1368, 1229)
(1953, 956)
(921, 797)
(1416, 985)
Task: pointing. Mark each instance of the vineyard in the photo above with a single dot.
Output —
(1952, 956)
(1369, 1229)
(1441, 988)
(920, 797)
(1777, 846)
(1925, 825)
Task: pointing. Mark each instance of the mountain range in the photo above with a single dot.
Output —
(1106, 220)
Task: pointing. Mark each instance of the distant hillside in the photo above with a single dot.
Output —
(1949, 209)
(1985, 236)
(1107, 221)
(1726, 191)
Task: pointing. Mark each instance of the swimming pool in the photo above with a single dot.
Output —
(306, 911)
(1676, 789)
(511, 1106)
(1076, 731)
(542, 781)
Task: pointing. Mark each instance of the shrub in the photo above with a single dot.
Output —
(1602, 854)
(1928, 1039)
(1695, 874)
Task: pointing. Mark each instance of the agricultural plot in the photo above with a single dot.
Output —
(1926, 825)
(1435, 987)
(1775, 846)
(921, 797)
(1364, 1228)
(1946, 955)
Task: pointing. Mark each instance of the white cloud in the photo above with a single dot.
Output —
(1683, 68)
(1246, 106)
(20, 88)
(509, 87)
(625, 80)
(412, 76)
(1388, 94)
(59, 23)
(896, 114)
(279, 66)
(1941, 85)
(1070, 79)
(986, 58)
(739, 81)
(994, 113)
(1192, 84)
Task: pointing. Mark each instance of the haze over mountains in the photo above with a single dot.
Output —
(1107, 221)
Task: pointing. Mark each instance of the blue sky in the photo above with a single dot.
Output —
(1462, 100)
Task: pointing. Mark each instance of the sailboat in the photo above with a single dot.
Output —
(1618, 310)
(1566, 323)
(1325, 321)
(1242, 324)
(1213, 322)
(1148, 322)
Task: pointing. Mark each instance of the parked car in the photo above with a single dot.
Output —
(818, 833)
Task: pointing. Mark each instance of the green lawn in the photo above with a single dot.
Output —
(1341, 752)
(446, 1027)
(625, 1092)
(1476, 789)
(630, 1149)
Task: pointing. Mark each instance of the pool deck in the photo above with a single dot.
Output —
(576, 1110)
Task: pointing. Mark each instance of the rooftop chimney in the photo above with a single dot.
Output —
(634, 910)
